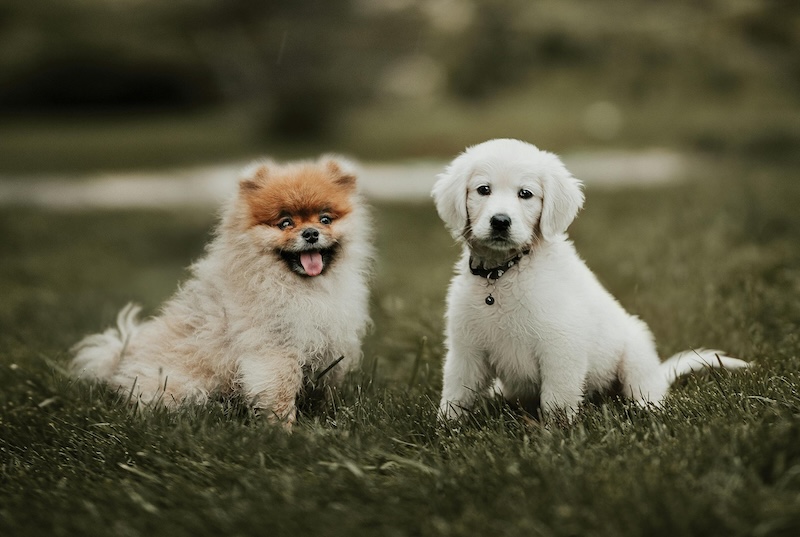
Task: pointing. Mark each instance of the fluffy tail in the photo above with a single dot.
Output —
(98, 355)
(696, 360)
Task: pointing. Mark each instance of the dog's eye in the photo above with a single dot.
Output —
(525, 194)
(285, 223)
(325, 220)
(484, 190)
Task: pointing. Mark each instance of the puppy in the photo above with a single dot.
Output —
(523, 308)
(280, 295)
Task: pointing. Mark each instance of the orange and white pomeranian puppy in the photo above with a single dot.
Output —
(279, 297)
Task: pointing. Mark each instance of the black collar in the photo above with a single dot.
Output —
(496, 272)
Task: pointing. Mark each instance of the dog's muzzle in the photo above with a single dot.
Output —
(310, 262)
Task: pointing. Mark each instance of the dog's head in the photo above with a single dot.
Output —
(298, 211)
(505, 194)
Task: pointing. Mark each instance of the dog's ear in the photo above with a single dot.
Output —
(562, 199)
(342, 170)
(254, 176)
(450, 196)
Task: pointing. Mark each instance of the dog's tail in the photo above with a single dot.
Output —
(696, 360)
(98, 355)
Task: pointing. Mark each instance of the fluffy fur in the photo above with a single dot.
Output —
(280, 295)
(553, 333)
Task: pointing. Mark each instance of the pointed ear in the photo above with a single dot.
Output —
(450, 196)
(563, 198)
(342, 170)
(254, 176)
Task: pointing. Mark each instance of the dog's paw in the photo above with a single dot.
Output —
(284, 420)
(558, 414)
(449, 411)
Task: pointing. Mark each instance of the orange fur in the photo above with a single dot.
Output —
(303, 192)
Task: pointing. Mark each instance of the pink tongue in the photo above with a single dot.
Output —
(312, 263)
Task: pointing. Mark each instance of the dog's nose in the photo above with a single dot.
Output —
(500, 222)
(310, 234)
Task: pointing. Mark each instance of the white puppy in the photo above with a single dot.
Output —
(523, 309)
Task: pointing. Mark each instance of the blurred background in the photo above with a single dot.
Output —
(123, 122)
(114, 84)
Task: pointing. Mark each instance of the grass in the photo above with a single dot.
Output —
(552, 113)
(710, 262)
(49, 145)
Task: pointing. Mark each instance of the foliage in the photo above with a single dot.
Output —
(297, 68)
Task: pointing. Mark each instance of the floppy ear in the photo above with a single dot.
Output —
(450, 196)
(562, 199)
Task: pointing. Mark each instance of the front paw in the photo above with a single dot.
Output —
(558, 412)
(284, 419)
(449, 411)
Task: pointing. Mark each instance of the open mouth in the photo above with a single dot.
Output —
(312, 262)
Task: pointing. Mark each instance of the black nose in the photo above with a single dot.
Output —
(310, 234)
(500, 222)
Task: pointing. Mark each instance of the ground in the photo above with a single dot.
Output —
(711, 260)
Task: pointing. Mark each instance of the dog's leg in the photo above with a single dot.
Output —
(640, 375)
(161, 379)
(466, 375)
(272, 382)
(563, 377)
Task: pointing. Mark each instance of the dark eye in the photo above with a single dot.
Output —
(325, 220)
(484, 190)
(525, 194)
(285, 222)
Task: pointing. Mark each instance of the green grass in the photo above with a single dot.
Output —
(551, 111)
(714, 261)
(552, 116)
(50, 145)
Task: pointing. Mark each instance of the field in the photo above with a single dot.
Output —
(713, 261)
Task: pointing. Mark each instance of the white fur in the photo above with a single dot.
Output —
(242, 323)
(553, 332)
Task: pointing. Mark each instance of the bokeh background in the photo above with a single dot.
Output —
(138, 105)
(102, 84)
(151, 107)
